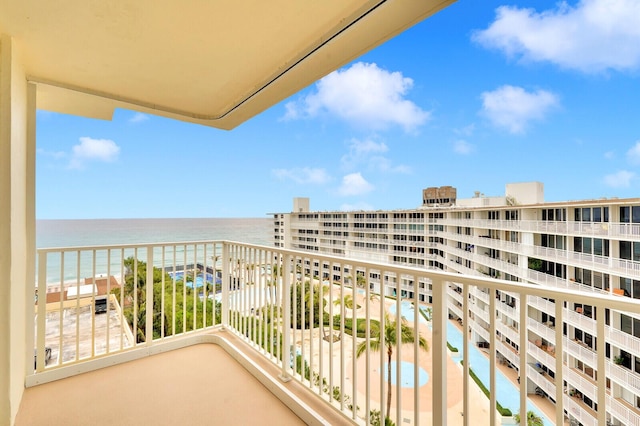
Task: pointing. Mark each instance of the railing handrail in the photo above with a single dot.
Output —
(242, 319)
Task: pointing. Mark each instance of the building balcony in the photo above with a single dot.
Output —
(611, 230)
(231, 325)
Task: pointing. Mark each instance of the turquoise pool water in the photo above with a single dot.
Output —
(508, 394)
(200, 279)
(406, 375)
(406, 310)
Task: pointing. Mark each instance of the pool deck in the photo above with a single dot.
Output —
(479, 403)
(331, 352)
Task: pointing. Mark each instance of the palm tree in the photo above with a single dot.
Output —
(347, 302)
(532, 419)
(390, 341)
(361, 281)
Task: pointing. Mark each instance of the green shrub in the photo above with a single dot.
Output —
(361, 328)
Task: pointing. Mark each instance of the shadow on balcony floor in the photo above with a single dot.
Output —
(196, 385)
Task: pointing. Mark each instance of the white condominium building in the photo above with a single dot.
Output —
(587, 246)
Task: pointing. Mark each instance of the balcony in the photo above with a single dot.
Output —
(167, 389)
(231, 323)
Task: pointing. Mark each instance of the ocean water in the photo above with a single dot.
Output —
(116, 232)
(93, 232)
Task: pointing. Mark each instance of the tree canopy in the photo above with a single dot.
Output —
(190, 303)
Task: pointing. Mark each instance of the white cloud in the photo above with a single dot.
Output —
(462, 147)
(512, 107)
(354, 184)
(633, 155)
(292, 111)
(592, 36)
(363, 95)
(304, 175)
(138, 117)
(370, 152)
(620, 179)
(358, 147)
(56, 155)
(360, 151)
(90, 149)
(385, 165)
(466, 130)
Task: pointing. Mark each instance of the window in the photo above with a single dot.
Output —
(624, 214)
(595, 246)
(597, 214)
(629, 250)
(625, 250)
(511, 215)
(630, 214)
(625, 285)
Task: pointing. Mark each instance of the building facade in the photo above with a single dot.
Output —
(590, 246)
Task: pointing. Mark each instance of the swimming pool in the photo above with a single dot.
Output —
(508, 394)
(406, 374)
(406, 311)
(200, 279)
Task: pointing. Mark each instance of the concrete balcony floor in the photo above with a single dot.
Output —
(196, 385)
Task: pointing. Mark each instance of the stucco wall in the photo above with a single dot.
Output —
(13, 229)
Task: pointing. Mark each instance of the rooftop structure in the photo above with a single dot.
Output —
(442, 196)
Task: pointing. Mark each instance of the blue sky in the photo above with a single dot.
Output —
(482, 94)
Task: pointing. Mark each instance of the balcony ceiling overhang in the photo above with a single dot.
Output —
(216, 63)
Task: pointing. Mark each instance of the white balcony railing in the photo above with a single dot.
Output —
(576, 410)
(596, 229)
(541, 330)
(259, 293)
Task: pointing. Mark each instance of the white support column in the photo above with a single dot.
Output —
(600, 349)
(148, 338)
(226, 281)
(492, 358)
(466, 410)
(522, 354)
(286, 272)
(30, 218)
(439, 348)
(16, 227)
(559, 377)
